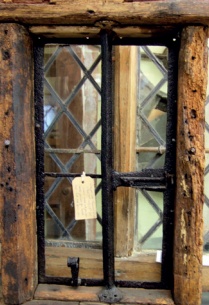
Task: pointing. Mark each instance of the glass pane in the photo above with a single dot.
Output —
(152, 107)
(149, 220)
(72, 133)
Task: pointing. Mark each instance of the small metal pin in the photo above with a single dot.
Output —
(7, 143)
(83, 177)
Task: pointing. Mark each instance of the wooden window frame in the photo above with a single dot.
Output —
(18, 193)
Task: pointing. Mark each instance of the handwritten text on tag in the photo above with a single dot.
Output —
(84, 198)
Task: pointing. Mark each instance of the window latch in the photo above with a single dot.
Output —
(73, 263)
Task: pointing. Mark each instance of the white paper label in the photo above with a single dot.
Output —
(84, 198)
(159, 256)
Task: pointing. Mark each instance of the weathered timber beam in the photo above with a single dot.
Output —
(188, 243)
(56, 31)
(17, 165)
(124, 144)
(107, 13)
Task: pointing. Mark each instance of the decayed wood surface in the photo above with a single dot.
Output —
(142, 267)
(17, 165)
(106, 12)
(90, 294)
(124, 145)
(190, 166)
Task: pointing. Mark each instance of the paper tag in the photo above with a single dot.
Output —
(159, 256)
(84, 198)
(205, 260)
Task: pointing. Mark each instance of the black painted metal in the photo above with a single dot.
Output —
(155, 179)
(107, 161)
(72, 175)
(73, 263)
(112, 295)
(170, 167)
(39, 126)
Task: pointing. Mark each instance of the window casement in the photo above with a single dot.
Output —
(181, 183)
(155, 179)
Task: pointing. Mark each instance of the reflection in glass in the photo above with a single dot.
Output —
(152, 107)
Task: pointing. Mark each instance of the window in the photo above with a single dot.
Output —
(82, 102)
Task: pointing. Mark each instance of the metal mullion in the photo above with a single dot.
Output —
(107, 162)
(110, 294)
(39, 126)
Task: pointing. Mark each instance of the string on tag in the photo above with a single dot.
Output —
(83, 177)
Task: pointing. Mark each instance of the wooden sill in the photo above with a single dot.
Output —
(90, 294)
(138, 267)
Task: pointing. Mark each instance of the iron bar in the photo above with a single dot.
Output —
(170, 167)
(71, 175)
(107, 161)
(39, 127)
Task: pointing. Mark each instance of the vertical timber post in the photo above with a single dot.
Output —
(192, 83)
(126, 77)
(17, 165)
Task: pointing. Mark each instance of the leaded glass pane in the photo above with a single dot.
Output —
(72, 133)
(151, 142)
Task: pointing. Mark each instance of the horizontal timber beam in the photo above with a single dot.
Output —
(106, 12)
(63, 31)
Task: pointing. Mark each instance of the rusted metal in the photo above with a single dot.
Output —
(73, 263)
(72, 175)
(107, 161)
(145, 179)
(39, 127)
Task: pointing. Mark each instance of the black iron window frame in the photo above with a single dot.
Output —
(150, 179)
